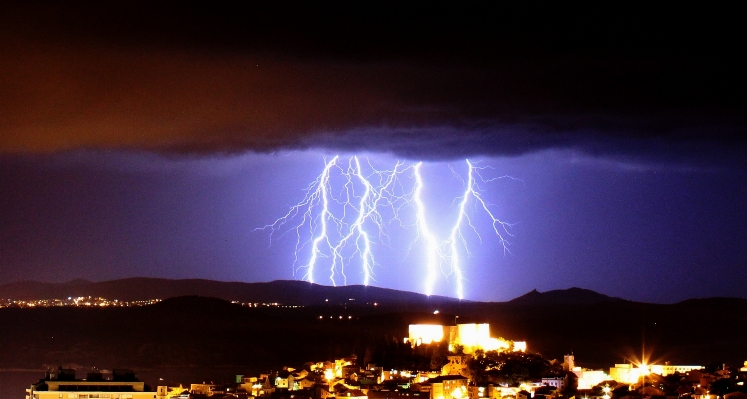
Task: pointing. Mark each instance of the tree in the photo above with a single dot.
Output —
(570, 384)
(439, 355)
(511, 368)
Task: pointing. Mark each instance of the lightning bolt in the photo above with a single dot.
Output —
(332, 234)
(433, 252)
(471, 190)
(365, 209)
(325, 216)
(317, 194)
(456, 231)
(332, 228)
(372, 199)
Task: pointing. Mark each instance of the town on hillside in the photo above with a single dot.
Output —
(459, 361)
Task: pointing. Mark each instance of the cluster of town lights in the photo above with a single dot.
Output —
(83, 301)
(447, 383)
(89, 301)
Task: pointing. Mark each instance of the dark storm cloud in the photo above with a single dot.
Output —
(436, 80)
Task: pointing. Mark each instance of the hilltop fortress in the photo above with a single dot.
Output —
(470, 336)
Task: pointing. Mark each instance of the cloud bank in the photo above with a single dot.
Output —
(416, 80)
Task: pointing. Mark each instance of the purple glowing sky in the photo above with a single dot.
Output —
(645, 232)
(150, 139)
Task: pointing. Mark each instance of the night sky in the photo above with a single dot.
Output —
(152, 138)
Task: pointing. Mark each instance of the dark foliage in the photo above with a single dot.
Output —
(510, 368)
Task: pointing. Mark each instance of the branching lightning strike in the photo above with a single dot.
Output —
(432, 247)
(332, 233)
(368, 210)
(327, 217)
(471, 190)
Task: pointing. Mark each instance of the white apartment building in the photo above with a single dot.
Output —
(62, 384)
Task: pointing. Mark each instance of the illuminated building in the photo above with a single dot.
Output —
(457, 365)
(257, 386)
(448, 387)
(569, 362)
(471, 336)
(284, 380)
(340, 363)
(487, 392)
(557, 382)
(520, 346)
(62, 383)
(586, 378)
(207, 389)
(425, 333)
(630, 374)
(304, 383)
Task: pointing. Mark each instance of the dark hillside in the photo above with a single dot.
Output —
(282, 291)
(206, 332)
(692, 332)
(570, 296)
(181, 331)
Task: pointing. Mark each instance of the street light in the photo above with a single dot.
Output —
(643, 371)
(606, 389)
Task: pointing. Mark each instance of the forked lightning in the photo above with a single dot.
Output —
(342, 214)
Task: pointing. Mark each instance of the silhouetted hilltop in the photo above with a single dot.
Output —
(570, 296)
(280, 291)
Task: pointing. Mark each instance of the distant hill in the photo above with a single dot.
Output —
(204, 332)
(570, 296)
(281, 291)
(287, 292)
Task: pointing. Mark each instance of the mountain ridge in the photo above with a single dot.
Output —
(573, 295)
(289, 292)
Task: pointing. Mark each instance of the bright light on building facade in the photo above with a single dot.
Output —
(471, 336)
(426, 333)
(631, 374)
